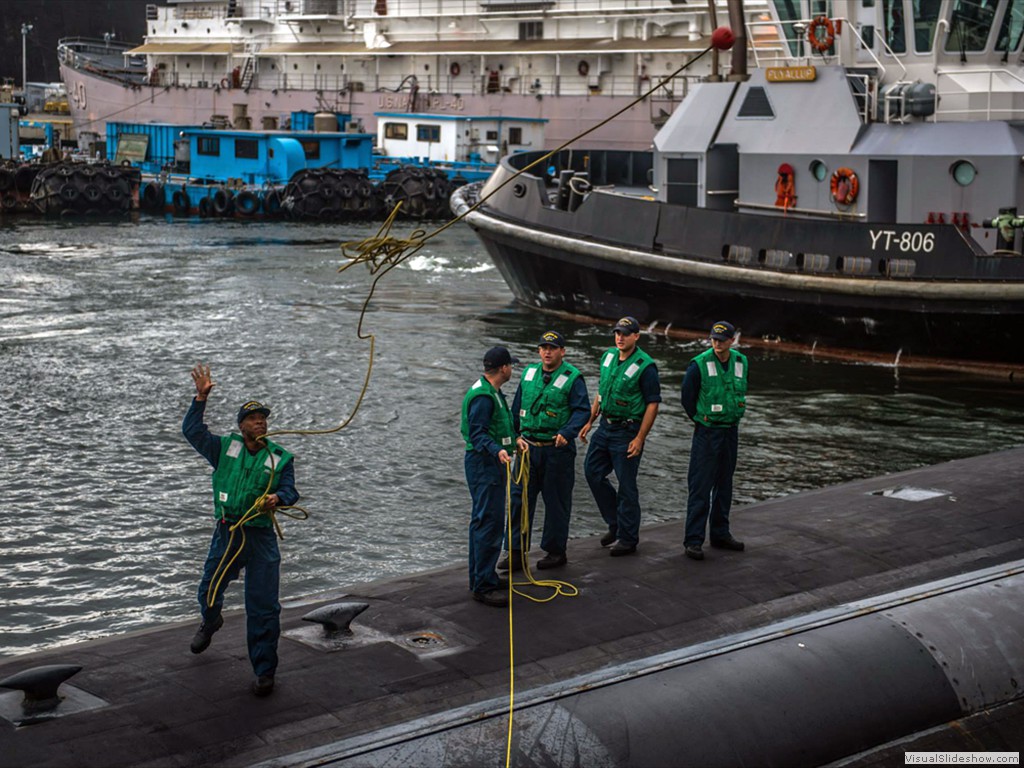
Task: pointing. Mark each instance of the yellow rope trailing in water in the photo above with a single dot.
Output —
(384, 251)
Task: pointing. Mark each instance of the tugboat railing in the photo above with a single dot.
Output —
(960, 93)
(820, 213)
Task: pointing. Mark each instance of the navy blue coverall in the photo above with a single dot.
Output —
(712, 463)
(485, 476)
(607, 453)
(260, 558)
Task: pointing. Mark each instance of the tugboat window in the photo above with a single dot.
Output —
(208, 145)
(963, 172)
(311, 148)
(968, 30)
(926, 17)
(248, 149)
(429, 133)
(396, 131)
(892, 22)
(1012, 26)
(819, 170)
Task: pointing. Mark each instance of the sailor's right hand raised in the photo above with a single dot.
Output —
(201, 377)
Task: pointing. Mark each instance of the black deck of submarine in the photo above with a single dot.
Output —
(425, 648)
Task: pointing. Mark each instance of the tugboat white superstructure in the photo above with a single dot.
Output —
(858, 192)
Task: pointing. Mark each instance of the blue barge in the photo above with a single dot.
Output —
(311, 171)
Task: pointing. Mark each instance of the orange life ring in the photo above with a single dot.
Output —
(844, 186)
(583, 68)
(454, 69)
(821, 44)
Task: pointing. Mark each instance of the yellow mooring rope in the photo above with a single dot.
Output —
(382, 253)
(563, 588)
(253, 512)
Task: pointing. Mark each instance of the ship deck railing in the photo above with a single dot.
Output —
(990, 82)
(368, 9)
(393, 91)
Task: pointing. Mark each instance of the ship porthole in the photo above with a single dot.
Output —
(583, 68)
(819, 170)
(963, 172)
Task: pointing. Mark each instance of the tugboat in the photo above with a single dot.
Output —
(857, 194)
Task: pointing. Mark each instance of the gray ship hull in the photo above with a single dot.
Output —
(861, 614)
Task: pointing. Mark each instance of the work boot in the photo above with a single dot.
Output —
(512, 562)
(263, 685)
(552, 560)
(203, 635)
(694, 552)
(621, 549)
(493, 597)
(609, 538)
(728, 543)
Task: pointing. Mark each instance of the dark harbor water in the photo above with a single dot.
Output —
(107, 512)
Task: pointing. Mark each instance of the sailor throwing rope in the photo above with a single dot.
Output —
(252, 477)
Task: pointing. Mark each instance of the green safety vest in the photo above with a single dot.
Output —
(242, 477)
(500, 429)
(723, 389)
(621, 398)
(545, 407)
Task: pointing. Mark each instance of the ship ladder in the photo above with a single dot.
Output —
(248, 73)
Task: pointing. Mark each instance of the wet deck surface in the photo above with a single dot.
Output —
(424, 647)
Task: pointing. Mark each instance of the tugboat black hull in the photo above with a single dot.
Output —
(915, 294)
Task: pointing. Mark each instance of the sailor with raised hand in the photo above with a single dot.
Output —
(490, 444)
(245, 466)
(627, 402)
(549, 409)
(714, 396)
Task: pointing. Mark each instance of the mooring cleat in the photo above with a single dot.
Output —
(336, 617)
(40, 685)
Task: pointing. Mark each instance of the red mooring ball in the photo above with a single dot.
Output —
(722, 39)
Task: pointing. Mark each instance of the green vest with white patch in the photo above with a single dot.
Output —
(500, 429)
(545, 407)
(242, 477)
(723, 389)
(621, 398)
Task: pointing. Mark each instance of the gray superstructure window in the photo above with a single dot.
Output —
(926, 18)
(756, 104)
(970, 25)
(1011, 27)
(893, 24)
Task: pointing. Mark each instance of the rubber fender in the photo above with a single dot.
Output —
(92, 193)
(8, 202)
(272, 203)
(6, 179)
(69, 193)
(24, 176)
(153, 196)
(205, 207)
(223, 202)
(182, 205)
(247, 203)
